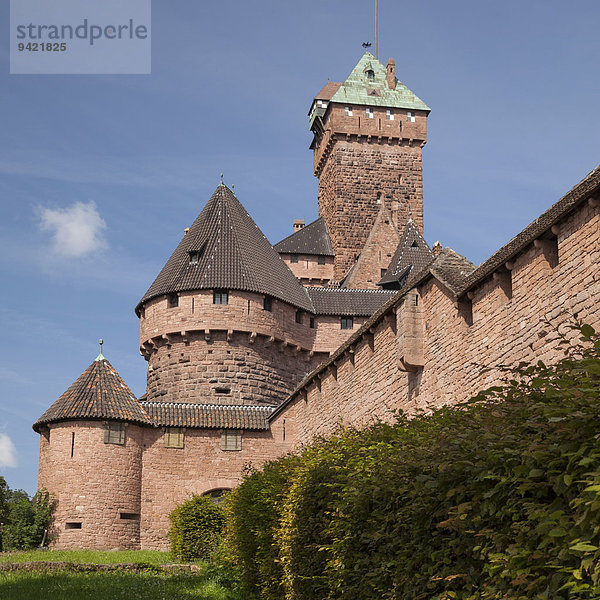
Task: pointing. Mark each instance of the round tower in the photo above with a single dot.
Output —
(91, 461)
(225, 321)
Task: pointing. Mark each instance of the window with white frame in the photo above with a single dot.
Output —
(347, 322)
(369, 112)
(220, 297)
(348, 111)
(321, 104)
(389, 115)
(231, 440)
(412, 117)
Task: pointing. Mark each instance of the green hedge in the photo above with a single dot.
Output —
(196, 528)
(497, 498)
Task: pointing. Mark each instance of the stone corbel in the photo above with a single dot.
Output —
(207, 335)
(252, 338)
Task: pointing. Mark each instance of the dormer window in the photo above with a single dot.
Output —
(389, 115)
(293, 258)
(412, 117)
(369, 112)
(370, 74)
(196, 255)
(348, 111)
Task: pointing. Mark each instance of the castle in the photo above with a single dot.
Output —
(253, 349)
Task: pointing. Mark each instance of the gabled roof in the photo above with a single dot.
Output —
(232, 253)
(329, 89)
(345, 301)
(412, 255)
(208, 416)
(357, 89)
(312, 239)
(98, 393)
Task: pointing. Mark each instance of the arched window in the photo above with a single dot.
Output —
(217, 495)
(370, 74)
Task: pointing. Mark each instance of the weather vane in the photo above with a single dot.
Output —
(366, 45)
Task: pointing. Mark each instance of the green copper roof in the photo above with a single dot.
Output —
(358, 89)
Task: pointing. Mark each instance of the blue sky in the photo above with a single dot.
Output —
(99, 175)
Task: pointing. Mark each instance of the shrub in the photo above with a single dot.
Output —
(496, 498)
(254, 513)
(196, 528)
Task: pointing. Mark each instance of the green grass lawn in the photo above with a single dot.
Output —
(90, 556)
(23, 585)
(209, 583)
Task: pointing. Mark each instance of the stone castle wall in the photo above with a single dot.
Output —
(95, 484)
(172, 475)
(371, 380)
(236, 353)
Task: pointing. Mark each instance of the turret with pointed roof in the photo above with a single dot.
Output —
(368, 134)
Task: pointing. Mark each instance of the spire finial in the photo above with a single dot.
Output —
(221, 183)
(232, 187)
(100, 356)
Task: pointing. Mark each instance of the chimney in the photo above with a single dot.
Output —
(391, 74)
(298, 224)
(185, 231)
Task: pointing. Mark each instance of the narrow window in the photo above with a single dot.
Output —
(268, 303)
(321, 260)
(389, 115)
(173, 438)
(73, 525)
(114, 433)
(348, 111)
(369, 112)
(293, 258)
(72, 443)
(231, 440)
(378, 197)
(312, 323)
(298, 316)
(222, 390)
(173, 300)
(129, 516)
(347, 322)
(220, 297)
(411, 116)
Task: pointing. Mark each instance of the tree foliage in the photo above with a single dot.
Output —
(496, 498)
(196, 528)
(24, 519)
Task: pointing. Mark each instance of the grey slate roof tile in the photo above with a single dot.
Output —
(412, 255)
(235, 256)
(312, 239)
(347, 301)
(208, 416)
(98, 393)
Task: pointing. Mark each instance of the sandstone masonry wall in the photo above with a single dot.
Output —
(172, 475)
(94, 483)
(372, 380)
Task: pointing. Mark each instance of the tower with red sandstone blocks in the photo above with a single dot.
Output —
(369, 132)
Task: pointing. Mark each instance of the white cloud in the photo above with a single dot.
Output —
(76, 231)
(8, 452)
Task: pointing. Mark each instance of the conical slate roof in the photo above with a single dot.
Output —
(358, 89)
(231, 252)
(312, 239)
(412, 255)
(98, 393)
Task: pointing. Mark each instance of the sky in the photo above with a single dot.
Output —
(100, 174)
